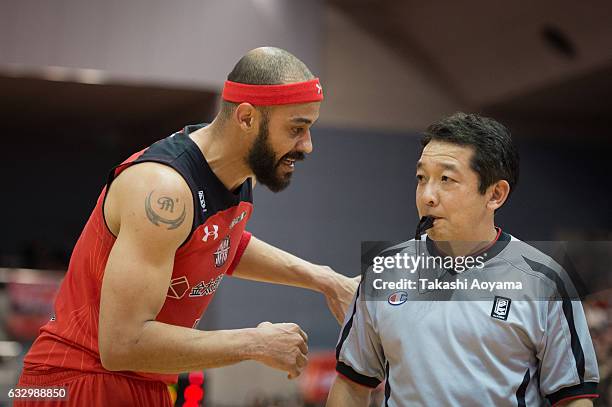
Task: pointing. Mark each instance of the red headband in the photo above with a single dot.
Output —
(262, 95)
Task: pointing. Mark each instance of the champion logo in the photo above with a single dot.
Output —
(208, 233)
(238, 219)
(398, 298)
(319, 88)
(202, 200)
(501, 308)
(222, 251)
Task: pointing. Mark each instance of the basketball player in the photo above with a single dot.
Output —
(167, 227)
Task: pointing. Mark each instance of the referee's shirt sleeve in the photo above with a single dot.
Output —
(359, 354)
(568, 367)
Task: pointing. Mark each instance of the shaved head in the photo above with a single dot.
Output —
(269, 66)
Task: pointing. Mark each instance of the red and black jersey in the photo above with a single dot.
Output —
(213, 248)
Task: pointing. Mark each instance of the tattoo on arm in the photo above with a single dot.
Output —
(165, 204)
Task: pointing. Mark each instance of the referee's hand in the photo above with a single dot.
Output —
(283, 346)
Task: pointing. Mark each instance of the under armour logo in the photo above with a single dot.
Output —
(319, 88)
(208, 233)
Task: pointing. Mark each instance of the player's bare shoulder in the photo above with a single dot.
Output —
(150, 198)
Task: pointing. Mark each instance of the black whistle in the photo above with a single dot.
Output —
(425, 223)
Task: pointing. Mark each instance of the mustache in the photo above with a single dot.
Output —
(294, 155)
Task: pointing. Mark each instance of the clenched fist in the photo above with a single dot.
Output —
(282, 346)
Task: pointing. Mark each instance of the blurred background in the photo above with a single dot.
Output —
(84, 83)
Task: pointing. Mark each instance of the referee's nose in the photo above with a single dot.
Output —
(428, 196)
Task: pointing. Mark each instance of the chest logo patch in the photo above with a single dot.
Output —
(221, 252)
(178, 287)
(202, 288)
(501, 308)
(398, 298)
(238, 219)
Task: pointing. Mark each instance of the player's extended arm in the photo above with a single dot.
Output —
(263, 262)
(151, 208)
(345, 393)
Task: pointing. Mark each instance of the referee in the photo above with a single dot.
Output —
(451, 348)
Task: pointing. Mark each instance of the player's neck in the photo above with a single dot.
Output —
(223, 154)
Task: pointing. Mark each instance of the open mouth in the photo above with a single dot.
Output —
(289, 162)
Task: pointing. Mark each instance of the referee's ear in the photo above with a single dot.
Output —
(497, 194)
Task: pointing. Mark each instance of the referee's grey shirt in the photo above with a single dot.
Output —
(531, 350)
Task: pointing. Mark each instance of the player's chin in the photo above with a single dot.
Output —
(279, 183)
(285, 179)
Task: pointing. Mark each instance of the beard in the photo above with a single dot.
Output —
(264, 164)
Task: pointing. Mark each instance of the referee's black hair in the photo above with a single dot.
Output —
(495, 155)
(265, 66)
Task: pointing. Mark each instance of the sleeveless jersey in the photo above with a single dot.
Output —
(217, 240)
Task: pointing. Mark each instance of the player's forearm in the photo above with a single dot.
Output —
(164, 348)
(263, 262)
